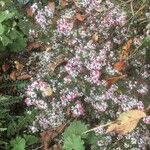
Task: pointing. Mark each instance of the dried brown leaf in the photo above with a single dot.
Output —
(126, 122)
(29, 11)
(59, 60)
(18, 66)
(13, 75)
(56, 147)
(47, 91)
(126, 49)
(113, 80)
(48, 136)
(120, 66)
(79, 17)
(95, 37)
(24, 77)
(5, 67)
(63, 3)
(51, 6)
(33, 45)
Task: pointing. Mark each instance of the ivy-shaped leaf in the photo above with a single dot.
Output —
(18, 143)
(74, 142)
(77, 128)
(30, 139)
(5, 15)
(5, 40)
(2, 29)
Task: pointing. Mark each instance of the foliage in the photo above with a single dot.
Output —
(74, 142)
(73, 137)
(11, 37)
(13, 123)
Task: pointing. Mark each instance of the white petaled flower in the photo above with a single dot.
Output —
(64, 26)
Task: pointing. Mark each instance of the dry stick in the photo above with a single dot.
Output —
(132, 10)
(101, 126)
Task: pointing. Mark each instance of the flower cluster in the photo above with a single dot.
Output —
(43, 16)
(50, 112)
(80, 84)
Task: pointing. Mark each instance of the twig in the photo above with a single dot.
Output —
(101, 126)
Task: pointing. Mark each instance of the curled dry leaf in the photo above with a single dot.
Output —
(18, 66)
(56, 147)
(79, 17)
(1, 79)
(113, 80)
(95, 37)
(51, 6)
(59, 60)
(63, 3)
(13, 75)
(126, 50)
(29, 11)
(47, 91)
(120, 66)
(48, 136)
(48, 48)
(24, 77)
(33, 45)
(126, 122)
(5, 67)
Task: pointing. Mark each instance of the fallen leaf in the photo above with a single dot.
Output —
(18, 66)
(79, 17)
(24, 77)
(59, 60)
(48, 136)
(126, 122)
(33, 45)
(47, 91)
(56, 147)
(51, 6)
(13, 75)
(29, 11)
(63, 3)
(1, 79)
(48, 48)
(95, 37)
(113, 80)
(126, 49)
(5, 67)
(120, 66)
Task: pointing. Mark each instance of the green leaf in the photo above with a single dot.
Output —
(2, 29)
(5, 40)
(74, 142)
(30, 139)
(18, 143)
(5, 15)
(77, 128)
(13, 34)
(3, 129)
(93, 139)
(19, 44)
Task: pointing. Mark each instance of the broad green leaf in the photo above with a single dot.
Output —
(30, 139)
(5, 15)
(5, 40)
(2, 29)
(13, 34)
(77, 128)
(3, 129)
(74, 142)
(18, 143)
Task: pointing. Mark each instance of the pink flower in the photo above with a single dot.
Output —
(78, 109)
(64, 26)
(147, 120)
